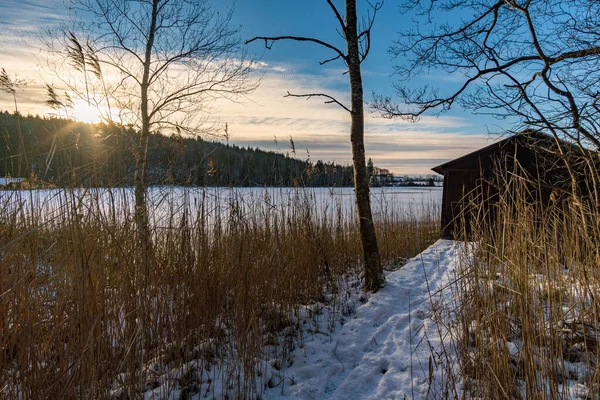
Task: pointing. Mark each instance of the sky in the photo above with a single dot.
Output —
(265, 118)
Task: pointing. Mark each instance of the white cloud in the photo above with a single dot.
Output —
(401, 146)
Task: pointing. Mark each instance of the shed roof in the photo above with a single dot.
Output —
(528, 135)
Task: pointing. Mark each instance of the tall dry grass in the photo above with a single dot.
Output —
(83, 316)
(528, 306)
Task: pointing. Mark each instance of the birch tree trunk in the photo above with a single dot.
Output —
(141, 208)
(155, 63)
(373, 269)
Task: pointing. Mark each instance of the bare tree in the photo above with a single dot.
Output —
(536, 60)
(152, 65)
(358, 44)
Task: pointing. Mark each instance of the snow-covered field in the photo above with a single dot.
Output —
(382, 346)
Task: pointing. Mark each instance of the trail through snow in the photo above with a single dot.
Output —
(383, 351)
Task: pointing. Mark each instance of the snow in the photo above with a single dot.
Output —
(384, 350)
(385, 345)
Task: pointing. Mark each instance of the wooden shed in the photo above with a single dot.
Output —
(532, 155)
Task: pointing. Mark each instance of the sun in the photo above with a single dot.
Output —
(84, 112)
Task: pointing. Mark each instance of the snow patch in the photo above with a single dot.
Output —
(387, 349)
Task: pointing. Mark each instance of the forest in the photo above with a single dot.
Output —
(63, 152)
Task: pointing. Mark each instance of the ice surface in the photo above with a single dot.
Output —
(167, 204)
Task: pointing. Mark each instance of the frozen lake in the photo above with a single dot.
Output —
(167, 204)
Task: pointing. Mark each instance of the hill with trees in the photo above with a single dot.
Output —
(66, 152)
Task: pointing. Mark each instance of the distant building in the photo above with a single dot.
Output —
(11, 183)
(531, 156)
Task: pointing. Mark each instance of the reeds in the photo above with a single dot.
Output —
(528, 306)
(84, 315)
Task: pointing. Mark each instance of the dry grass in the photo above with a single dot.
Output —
(82, 316)
(528, 316)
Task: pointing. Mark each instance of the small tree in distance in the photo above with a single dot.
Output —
(151, 65)
(358, 44)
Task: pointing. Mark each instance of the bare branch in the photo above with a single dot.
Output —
(366, 32)
(298, 39)
(550, 52)
(330, 101)
(329, 60)
(337, 15)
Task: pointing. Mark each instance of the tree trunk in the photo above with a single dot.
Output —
(141, 209)
(138, 304)
(373, 269)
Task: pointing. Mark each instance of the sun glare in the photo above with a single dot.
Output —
(84, 112)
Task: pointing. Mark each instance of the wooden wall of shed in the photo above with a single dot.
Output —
(471, 195)
(460, 190)
(483, 176)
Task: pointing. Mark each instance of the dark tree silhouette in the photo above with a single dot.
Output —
(67, 153)
(536, 60)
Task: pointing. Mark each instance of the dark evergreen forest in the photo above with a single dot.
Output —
(65, 152)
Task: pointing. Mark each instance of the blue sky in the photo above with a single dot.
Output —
(265, 118)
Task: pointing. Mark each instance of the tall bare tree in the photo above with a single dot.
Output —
(358, 44)
(153, 65)
(537, 61)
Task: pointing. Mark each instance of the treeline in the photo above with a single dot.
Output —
(66, 152)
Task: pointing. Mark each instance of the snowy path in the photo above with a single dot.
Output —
(383, 351)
